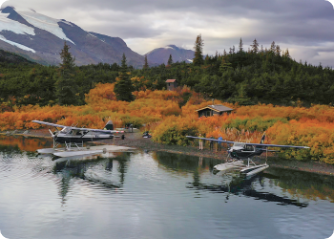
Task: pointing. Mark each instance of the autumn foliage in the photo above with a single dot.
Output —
(172, 115)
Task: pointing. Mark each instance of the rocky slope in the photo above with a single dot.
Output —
(41, 38)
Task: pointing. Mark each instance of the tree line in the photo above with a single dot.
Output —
(247, 77)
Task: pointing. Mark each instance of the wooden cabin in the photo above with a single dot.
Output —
(211, 110)
(171, 84)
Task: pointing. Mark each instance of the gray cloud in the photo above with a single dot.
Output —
(303, 26)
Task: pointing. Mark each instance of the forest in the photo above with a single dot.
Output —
(247, 77)
(291, 102)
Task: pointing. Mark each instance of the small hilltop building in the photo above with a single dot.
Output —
(211, 110)
(171, 84)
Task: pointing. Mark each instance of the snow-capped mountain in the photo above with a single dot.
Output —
(41, 38)
(161, 55)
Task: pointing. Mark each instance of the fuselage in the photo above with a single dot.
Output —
(76, 136)
(243, 151)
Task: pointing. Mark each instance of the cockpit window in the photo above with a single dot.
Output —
(66, 130)
(249, 148)
(239, 144)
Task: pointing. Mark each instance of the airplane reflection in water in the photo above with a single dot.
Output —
(80, 168)
(237, 184)
(244, 186)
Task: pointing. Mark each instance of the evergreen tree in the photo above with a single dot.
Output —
(207, 60)
(224, 66)
(67, 65)
(170, 60)
(66, 88)
(241, 45)
(124, 87)
(198, 59)
(273, 47)
(278, 50)
(287, 54)
(255, 46)
(146, 63)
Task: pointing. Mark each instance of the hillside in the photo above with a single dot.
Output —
(246, 78)
(11, 58)
(41, 38)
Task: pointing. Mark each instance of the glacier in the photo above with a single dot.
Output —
(2, 38)
(7, 24)
(45, 23)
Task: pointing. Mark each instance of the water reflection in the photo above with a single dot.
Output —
(22, 143)
(243, 186)
(185, 163)
(143, 195)
(80, 167)
(299, 185)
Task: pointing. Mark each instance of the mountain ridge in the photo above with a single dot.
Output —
(41, 38)
(179, 54)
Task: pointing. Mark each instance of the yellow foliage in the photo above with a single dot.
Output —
(313, 127)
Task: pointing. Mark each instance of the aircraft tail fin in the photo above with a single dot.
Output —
(109, 126)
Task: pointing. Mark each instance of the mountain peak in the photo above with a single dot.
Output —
(179, 54)
(8, 9)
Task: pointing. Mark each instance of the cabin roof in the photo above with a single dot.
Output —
(217, 108)
(170, 80)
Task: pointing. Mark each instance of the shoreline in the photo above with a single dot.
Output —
(135, 140)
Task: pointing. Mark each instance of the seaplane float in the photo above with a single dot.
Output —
(240, 151)
(73, 139)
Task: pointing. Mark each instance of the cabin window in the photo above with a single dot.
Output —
(208, 113)
(249, 148)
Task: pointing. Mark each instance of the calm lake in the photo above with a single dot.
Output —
(154, 195)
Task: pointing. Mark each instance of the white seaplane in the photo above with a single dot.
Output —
(239, 151)
(73, 138)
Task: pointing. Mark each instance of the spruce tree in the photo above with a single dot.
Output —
(67, 65)
(198, 59)
(146, 63)
(124, 87)
(225, 66)
(278, 50)
(273, 47)
(241, 49)
(255, 46)
(66, 89)
(170, 60)
(287, 54)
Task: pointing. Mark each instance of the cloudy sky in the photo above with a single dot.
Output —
(305, 27)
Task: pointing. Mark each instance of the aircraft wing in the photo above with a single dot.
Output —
(76, 128)
(50, 124)
(253, 144)
(279, 146)
(209, 139)
(94, 130)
